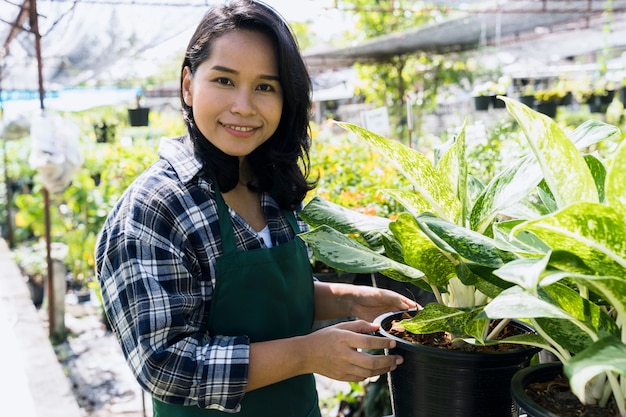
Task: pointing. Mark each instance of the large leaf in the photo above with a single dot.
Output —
(524, 272)
(616, 181)
(611, 288)
(587, 315)
(598, 172)
(471, 245)
(420, 252)
(592, 132)
(506, 189)
(517, 303)
(605, 355)
(522, 176)
(594, 232)
(345, 254)
(417, 168)
(562, 165)
(320, 212)
(412, 202)
(439, 318)
(519, 243)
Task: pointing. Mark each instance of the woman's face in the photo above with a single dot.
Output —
(236, 96)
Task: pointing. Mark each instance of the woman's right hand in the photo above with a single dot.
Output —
(337, 352)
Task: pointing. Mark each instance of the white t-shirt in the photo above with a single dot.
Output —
(265, 235)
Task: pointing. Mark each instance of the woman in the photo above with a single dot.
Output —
(206, 285)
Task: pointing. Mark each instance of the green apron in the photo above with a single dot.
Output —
(265, 294)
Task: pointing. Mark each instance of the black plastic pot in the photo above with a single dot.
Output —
(446, 383)
(527, 100)
(139, 116)
(547, 107)
(496, 103)
(536, 373)
(481, 103)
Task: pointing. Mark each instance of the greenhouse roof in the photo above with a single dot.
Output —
(562, 28)
(84, 41)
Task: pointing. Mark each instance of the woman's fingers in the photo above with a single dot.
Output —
(348, 357)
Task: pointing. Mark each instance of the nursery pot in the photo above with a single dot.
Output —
(481, 103)
(547, 107)
(434, 382)
(139, 116)
(527, 100)
(524, 377)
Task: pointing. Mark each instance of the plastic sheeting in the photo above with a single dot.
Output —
(55, 150)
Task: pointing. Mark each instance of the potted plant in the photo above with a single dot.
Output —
(485, 94)
(573, 289)
(548, 100)
(527, 94)
(444, 242)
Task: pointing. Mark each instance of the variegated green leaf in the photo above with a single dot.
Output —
(417, 168)
(447, 165)
(412, 202)
(524, 272)
(594, 232)
(525, 209)
(319, 212)
(470, 245)
(461, 186)
(506, 189)
(420, 252)
(616, 180)
(564, 333)
(611, 288)
(586, 315)
(605, 355)
(439, 318)
(598, 172)
(562, 165)
(517, 303)
(592, 132)
(518, 180)
(372, 229)
(521, 243)
(345, 254)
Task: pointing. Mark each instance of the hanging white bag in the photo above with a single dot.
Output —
(55, 151)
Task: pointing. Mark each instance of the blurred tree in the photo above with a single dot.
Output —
(421, 73)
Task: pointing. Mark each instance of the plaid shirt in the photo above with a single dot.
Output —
(155, 261)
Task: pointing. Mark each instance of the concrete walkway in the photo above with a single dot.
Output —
(33, 383)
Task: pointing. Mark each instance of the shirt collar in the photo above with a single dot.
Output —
(181, 155)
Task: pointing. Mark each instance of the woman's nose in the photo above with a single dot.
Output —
(243, 103)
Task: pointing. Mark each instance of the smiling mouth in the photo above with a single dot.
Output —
(239, 128)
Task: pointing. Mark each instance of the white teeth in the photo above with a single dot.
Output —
(240, 128)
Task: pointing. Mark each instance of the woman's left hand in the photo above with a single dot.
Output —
(369, 302)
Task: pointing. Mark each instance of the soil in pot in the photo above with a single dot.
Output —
(443, 340)
(543, 391)
(445, 381)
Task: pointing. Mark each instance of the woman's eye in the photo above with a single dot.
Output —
(265, 87)
(224, 81)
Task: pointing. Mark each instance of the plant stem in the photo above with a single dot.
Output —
(496, 331)
(562, 354)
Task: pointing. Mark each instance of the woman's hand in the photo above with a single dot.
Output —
(369, 302)
(337, 352)
(334, 301)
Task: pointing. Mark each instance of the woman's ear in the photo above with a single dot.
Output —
(186, 86)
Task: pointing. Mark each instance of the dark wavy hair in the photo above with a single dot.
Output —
(281, 165)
